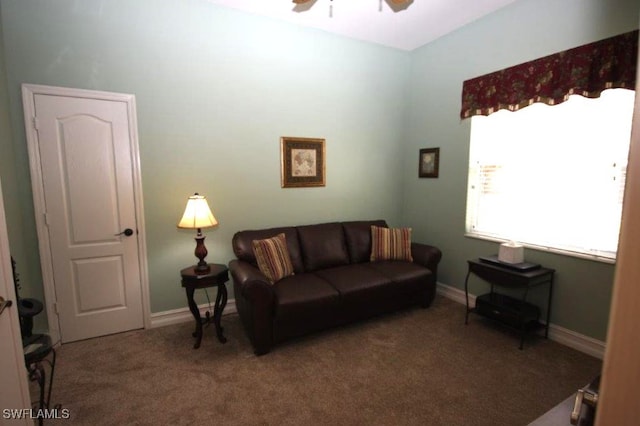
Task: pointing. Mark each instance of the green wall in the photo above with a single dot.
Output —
(435, 208)
(215, 91)
(11, 190)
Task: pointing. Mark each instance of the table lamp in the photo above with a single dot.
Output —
(197, 215)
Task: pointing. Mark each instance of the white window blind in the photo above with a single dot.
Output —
(552, 176)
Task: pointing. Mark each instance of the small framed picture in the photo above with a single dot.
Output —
(429, 163)
(302, 162)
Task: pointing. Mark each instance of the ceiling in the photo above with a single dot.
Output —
(405, 27)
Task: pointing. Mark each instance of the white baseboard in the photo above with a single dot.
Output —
(564, 336)
(177, 316)
(577, 341)
(455, 294)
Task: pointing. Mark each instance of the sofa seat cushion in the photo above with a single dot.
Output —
(407, 275)
(364, 292)
(304, 295)
(351, 279)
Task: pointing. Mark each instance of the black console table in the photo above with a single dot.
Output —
(517, 313)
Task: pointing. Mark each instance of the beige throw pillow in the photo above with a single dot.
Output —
(390, 244)
(273, 257)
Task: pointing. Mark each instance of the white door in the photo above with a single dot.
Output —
(86, 164)
(14, 389)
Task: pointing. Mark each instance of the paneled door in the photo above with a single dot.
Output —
(14, 389)
(86, 165)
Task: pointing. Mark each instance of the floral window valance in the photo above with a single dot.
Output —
(586, 70)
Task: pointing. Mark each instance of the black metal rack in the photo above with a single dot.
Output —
(38, 348)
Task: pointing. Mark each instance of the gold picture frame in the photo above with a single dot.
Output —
(302, 162)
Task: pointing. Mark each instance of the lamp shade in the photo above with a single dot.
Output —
(197, 214)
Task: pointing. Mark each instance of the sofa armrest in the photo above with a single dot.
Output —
(253, 284)
(426, 255)
(255, 299)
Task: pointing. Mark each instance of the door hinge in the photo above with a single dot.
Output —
(36, 123)
(46, 219)
(55, 308)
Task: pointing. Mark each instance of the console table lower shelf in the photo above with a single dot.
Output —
(509, 311)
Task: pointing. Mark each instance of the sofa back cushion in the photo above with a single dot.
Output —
(358, 236)
(323, 246)
(243, 245)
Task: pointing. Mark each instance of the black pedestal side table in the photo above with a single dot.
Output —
(217, 276)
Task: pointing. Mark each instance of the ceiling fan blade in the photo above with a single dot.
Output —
(301, 1)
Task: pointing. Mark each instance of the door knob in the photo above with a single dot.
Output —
(588, 395)
(4, 304)
(127, 232)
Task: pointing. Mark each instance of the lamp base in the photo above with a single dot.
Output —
(201, 252)
(202, 268)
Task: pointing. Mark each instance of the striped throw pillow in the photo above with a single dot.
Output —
(390, 244)
(273, 257)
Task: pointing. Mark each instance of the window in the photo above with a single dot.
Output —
(552, 177)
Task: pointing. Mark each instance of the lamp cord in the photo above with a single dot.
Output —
(209, 304)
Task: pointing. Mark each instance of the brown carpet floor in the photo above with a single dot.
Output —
(417, 367)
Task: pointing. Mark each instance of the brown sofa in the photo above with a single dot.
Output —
(334, 281)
